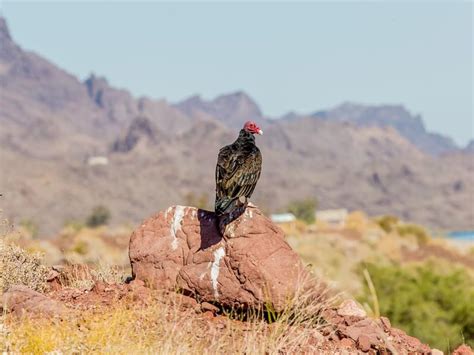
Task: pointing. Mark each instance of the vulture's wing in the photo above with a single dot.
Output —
(236, 175)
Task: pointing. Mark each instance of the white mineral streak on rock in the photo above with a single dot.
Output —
(248, 213)
(218, 255)
(229, 230)
(168, 210)
(193, 213)
(176, 225)
(201, 277)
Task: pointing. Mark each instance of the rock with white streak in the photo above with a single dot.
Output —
(253, 266)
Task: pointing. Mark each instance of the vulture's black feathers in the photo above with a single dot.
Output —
(238, 169)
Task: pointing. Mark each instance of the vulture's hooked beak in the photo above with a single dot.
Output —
(260, 132)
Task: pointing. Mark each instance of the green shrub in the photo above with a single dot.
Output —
(304, 209)
(100, 215)
(387, 222)
(80, 248)
(412, 229)
(428, 303)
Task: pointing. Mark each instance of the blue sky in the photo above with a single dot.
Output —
(287, 56)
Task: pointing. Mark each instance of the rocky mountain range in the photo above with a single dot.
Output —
(379, 159)
(407, 125)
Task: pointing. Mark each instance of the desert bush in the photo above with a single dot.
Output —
(393, 224)
(83, 276)
(81, 247)
(387, 222)
(100, 215)
(304, 209)
(427, 302)
(417, 231)
(18, 267)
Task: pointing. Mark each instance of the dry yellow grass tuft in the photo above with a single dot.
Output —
(164, 327)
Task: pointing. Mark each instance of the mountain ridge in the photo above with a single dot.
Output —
(410, 126)
(158, 153)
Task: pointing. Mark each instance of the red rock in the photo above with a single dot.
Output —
(347, 343)
(463, 350)
(22, 300)
(53, 274)
(99, 287)
(364, 343)
(386, 323)
(185, 301)
(206, 306)
(182, 248)
(208, 315)
(403, 342)
(350, 308)
(366, 327)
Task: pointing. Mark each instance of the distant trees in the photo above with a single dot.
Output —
(304, 209)
(99, 216)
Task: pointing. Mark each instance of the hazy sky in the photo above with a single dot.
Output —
(287, 56)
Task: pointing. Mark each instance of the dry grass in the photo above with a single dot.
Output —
(164, 327)
(84, 277)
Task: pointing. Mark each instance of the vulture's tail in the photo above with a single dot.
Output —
(225, 205)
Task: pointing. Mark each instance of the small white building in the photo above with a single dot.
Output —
(283, 217)
(97, 160)
(333, 218)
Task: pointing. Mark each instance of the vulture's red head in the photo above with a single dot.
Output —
(252, 127)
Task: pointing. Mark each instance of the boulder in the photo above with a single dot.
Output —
(251, 265)
(22, 300)
(463, 350)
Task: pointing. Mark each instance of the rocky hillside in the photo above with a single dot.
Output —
(409, 126)
(249, 280)
(158, 153)
(470, 147)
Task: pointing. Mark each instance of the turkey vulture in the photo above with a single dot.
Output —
(237, 171)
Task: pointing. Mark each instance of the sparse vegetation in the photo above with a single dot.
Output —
(304, 209)
(74, 225)
(393, 224)
(387, 222)
(30, 226)
(163, 325)
(417, 231)
(84, 277)
(100, 215)
(430, 302)
(18, 267)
